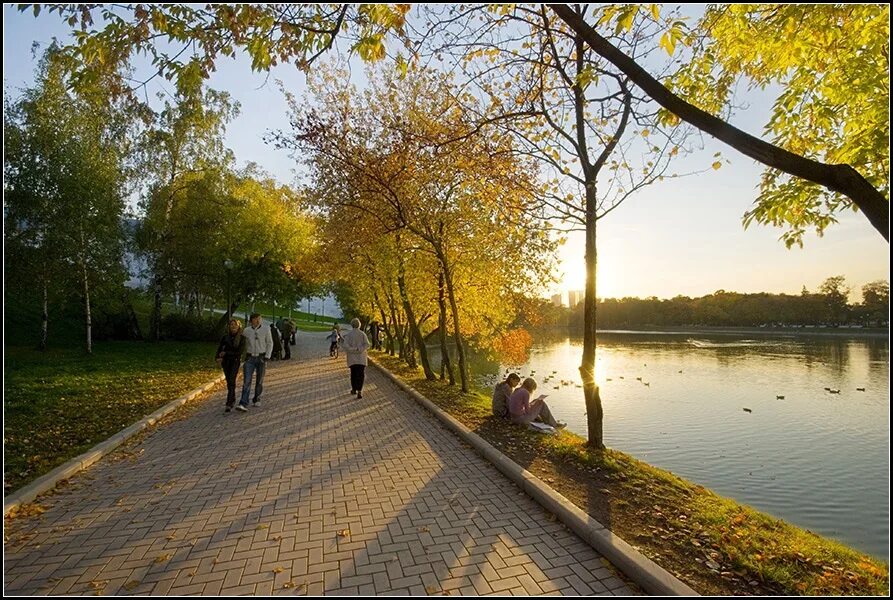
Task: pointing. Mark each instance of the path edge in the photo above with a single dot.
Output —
(650, 576)
(49, 480)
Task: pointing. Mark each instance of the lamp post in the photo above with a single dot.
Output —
(228, 264)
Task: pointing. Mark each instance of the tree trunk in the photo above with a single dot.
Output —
(415, 333)
(398, 331)
(156, 311)
(384, 321)
(839, 178)
(457, 332)
(133, 324)
(87, 318)
(44, 317)
(594, 411)
(445, 364)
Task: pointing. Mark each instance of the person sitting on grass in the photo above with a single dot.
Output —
(501, 394)
(523, 410)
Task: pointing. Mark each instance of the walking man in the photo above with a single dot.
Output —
(259, 348)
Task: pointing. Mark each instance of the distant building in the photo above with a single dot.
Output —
(557, 300)
(574, 297)
(137, 267)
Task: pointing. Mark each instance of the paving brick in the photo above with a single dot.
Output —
(234, 497)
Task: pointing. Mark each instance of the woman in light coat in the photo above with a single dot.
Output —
(355, 345)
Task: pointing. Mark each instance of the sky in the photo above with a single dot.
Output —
(678, 237)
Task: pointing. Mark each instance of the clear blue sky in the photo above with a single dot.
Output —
(679, 237)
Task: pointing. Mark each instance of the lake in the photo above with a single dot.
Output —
(816, 459)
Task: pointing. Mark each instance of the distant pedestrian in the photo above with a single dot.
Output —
(355, 345)
(277, 343)
(259, 348)
(523, 410)
(335, 340)
(501, 394)
(380, 336)
(229, 355)
(373, 332)
(288, 335)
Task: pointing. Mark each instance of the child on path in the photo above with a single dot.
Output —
(335, 340)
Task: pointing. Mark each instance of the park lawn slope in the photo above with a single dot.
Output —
(714, 544)
(60, 403)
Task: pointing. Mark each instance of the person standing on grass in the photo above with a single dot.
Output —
(229, 355)
(356, 344)
(259, 348)
(501, 394)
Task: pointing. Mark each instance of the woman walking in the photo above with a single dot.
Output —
(229, 354)
(356, 344)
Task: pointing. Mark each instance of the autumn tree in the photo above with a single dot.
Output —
(182, 149)
(597, 141)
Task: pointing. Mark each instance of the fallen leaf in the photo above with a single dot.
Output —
(344, 533)
(278, 570)
(431, 589)
(262, 526)
(163, 558)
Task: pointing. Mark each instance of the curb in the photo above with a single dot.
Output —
(49, 480)
(640, 569)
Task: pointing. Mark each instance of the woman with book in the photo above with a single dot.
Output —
(523, 410)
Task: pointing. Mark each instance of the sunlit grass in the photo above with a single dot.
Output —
(60, 403)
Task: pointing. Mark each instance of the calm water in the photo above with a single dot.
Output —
(815, 459)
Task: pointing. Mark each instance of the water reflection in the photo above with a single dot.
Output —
(676, 400)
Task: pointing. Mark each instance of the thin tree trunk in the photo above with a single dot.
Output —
(594, 411)
(87, 317)
(457, 331)
(44, 317)
(839, 178)
(416, 334)
(445, 364)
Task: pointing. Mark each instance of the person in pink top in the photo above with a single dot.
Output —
(523, 410)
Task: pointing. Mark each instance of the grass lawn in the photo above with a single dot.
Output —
(714, 544)
(60, 403)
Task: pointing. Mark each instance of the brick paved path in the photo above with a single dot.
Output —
(314, 492)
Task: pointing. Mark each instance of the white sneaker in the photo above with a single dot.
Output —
(241, 408)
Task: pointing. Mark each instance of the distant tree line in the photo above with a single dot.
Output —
(826, 307)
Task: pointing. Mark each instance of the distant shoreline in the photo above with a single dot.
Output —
(775, 331)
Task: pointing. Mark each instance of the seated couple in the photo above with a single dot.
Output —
(516, 405)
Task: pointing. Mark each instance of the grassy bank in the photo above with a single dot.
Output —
(60, 403)
(714, 544)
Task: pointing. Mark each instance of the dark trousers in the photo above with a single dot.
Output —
(286, 346)
(231, 371)
(357, 377)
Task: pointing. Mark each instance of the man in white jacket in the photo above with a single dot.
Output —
(258, 348)
(355, 344)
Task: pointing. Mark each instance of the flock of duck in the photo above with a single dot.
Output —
(567, 383)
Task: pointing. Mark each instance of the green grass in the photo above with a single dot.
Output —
(60, 403)
(758, 549)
